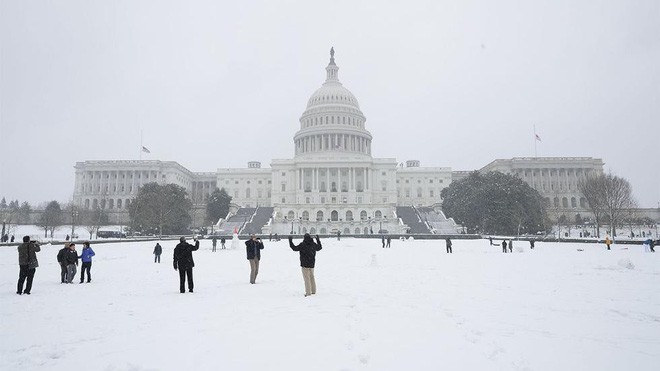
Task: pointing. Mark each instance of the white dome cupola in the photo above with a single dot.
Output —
(333, 120)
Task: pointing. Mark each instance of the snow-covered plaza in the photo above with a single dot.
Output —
(411, 307)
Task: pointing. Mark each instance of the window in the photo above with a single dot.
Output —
(291, 215)
(319, 216)
(431, 193)
(334, 216)
(363, 215)
(283, 173)
(283, 187)
(305, 215)
(378, 214)
(349, 216)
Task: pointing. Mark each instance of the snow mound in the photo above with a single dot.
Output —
(626, 263)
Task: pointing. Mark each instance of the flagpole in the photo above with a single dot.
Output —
(534, 139)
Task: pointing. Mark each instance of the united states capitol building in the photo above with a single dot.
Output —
(332, 184)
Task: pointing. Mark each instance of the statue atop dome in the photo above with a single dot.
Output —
(332, 52)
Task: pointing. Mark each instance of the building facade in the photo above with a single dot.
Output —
(333, 183)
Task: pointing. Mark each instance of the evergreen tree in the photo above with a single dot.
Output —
(218, 205)
(494, 203)
(164, 209)
(24, 213)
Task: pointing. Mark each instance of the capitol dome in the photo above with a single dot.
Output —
(332, 120)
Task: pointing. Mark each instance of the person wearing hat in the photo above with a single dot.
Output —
(253, 248)
(184, 263)
(27, 262)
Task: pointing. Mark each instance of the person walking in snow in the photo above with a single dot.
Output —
(222, 242)
(253, 248)
(158, 250)
(389, 241)
(27, 263)
(382, 240)
(86, 258)
(184, 263)
(491, 240)
(608, 241)
(307, 249)
(510, 245)
(71, 261)
(504, 246)
(60, 259)
(531, 244)
(215, 243)
(448, 246)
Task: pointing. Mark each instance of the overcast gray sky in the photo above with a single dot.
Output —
(215, 84)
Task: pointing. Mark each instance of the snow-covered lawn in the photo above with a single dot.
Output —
(411, 307)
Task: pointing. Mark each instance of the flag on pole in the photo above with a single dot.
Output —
(145, 150)
(537, 137)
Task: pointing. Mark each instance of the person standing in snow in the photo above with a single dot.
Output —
(504, 246)
(448, 246)
(531, 244)
(60, 259)
(491, 240)
(215, 243)
(307, 249)
(382, 240)
(27, 263)
(71, 260)
(510, 245)
(222, 242)
(253, 248)
(184, 263)
(389, 241)
(86, 258)
(608, 241)
(158, 250)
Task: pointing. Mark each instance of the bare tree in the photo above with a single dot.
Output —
(592, 188)
(617, 200)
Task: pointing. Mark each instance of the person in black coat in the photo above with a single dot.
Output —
(253, 248)
(448, 243)
(60, 259)
(158, 250)
(27, 264)
(307, 249)
(71, 261)
(184, 263)
(504, 246)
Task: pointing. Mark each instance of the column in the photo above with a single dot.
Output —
(327, 181)
(339, 180)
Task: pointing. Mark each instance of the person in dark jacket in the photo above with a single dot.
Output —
(71, 261)
(531, 244)
(215, 243)
(307, 249)
(27, 263)
(60, 259)
(183, 261)
(86, 258)
(222, 242)
(448, 243)
(253, 247)
(504, 246)
(510, 245)
(389, 242)
(157, 251)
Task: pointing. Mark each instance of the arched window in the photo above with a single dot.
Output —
(119, 203)
(564, 202)
(111, 203)
(357, 230)
(366, 230)
(334, 216)
(87, 203)
(103, 204)
(322, 231)
(319, 216)
(291, 215)
(363, 215)
(555, 202)
(304, 230)
(349, 216)
(583, 202)
(305, 215)
(347, 231)
(573, 202)
(312, 230)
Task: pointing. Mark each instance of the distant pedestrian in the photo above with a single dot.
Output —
(338, 235)
(510, 245)
(253, 248)
(215, 243)
(86, 258)
(27, 263)
(531, 244)
(71, 260)
(608, 241)
(222, 242)
(307, 249)
(491, 240)
(504, 246)
(158, 250)
(389, 241)
(67, 237)
(448, 246)
(652, 245)
(184, 263)
(382, 240)
(270, 237)
(60, 259)
(12, 239)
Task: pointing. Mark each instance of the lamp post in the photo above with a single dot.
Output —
(74, 215)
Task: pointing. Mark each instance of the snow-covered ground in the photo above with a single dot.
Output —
(411, 307)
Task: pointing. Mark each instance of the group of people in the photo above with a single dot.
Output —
(184, 262)
(67, 257)
(386, 241)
